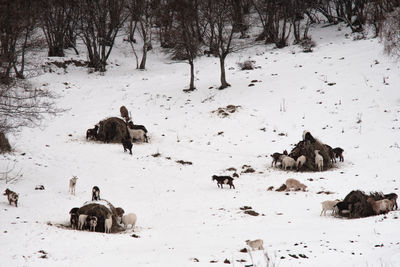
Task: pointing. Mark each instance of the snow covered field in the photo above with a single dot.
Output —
(346, 93)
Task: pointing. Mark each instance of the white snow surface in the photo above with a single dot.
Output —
(184, 219)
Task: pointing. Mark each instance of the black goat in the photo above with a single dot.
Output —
(277, 157)
(338, 153)
(92, 133)
(127, 144)
(95, 193)
(221, 180)
(392, 197)
(74, 218)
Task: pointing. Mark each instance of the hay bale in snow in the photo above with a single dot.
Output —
(112, 130)
(101, 209)
(307, 149)
(358, 205)
(4, 144)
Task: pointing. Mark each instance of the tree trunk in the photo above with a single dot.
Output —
(224, 83)
(191, 86)
(144, 57)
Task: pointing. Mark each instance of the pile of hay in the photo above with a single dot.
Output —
(307, 149)
(4, 144)
(101, 209)
(112, 130)
(357, 204)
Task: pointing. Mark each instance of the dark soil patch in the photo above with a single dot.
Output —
(184, 162)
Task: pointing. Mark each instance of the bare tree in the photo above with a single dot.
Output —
(390, 33)
(99, 24)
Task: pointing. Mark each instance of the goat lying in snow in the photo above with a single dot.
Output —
(74, 218)
(338, 153)
(381, 206)
(82, 221)
(277, 157)
(129, 219)
(329, 205)
(221, 180)
(288, 162)
(95, 193)
(319, 160)
(11, 197)
(72, 184)
(92, 133)
(108, 224)
(295, 185)
(300, 161)
(92, 222)
(255, 244)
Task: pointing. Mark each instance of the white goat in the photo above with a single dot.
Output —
(72, 183)
(255, 244)
(319, 160)
(82, 221)
(288, 162)
(129, 219)
(329, 205)
(137, 134)
(295, 185)
(108, 224)
(300, 161)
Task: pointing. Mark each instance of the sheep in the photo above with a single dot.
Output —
(82, 221)
(92, 133)
(329, 205)
(129, 218)
(108, 224)
(95, 193)
(382, 206)
(72, 184)
(74, 218)
(277, 157)
(288, 162)
(255, 244)
(127, 144)
(138, 134)
(11, 197)
(295, 185)
(319, 160)
(392, 197)
(124, 113)
(221, 180)
(338, 153)
(92, 223)
(308, 137)
(300, 161)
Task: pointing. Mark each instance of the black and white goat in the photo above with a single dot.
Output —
(92, 133)
(11, 196)
(92, 223)
(392, 197)
(277, 157)
(127, 144)
(221, 180)
(95, 193)
(74, 218)
(338, 153)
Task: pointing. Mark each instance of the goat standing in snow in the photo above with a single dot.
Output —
(319, 160)
(11, 197)
(300, 161)
(82, 221)
(255, 244)
(392, 197)
(338, 153)
(74, 218)
(92, 223)
(129, 219)
(72, 184)
(288, 162)
(138, 135)
(221, 180)
(277, 157)
(95, 193)
(329, 205)
(92, 133)
(127, 144)
(108, 224)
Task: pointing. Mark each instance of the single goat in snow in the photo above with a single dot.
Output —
(221, 180)
(255, 244)
(129, 219)
(300, 161)
(319, 160)
(329, 205)
(95, 193)
(11, 197)
(288, 162)
(338, 153)
(295, 185)
(72, 184)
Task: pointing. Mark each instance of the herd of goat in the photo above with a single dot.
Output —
(309, 154)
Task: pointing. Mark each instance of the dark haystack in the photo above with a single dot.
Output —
(112, 130)
(357, 204)
(101, 209)
(307, 149)
(281, 188)
(4, 144)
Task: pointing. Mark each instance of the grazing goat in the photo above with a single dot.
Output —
(295, 185)
(338, 153)
(392, 197)
(82, 221)
(129, 219)
(72, 184)
(124, 113)
(343, 207)
(300, 161)
(330, 153)
(255, 244)
(92, 133)
(221, 180)
(11, 196)
(108, 224)
(329, 205)
(127, 144)
(138, 135)
(319, 160)
(74, 218)
(95, 193)
(277, 157)
(92, 223)
(308, 137)
(120, 211)
(288, 162)
(382, 206)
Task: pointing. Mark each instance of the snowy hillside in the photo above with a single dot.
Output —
(346, 93)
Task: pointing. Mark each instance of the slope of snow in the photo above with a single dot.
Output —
(182, 215)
